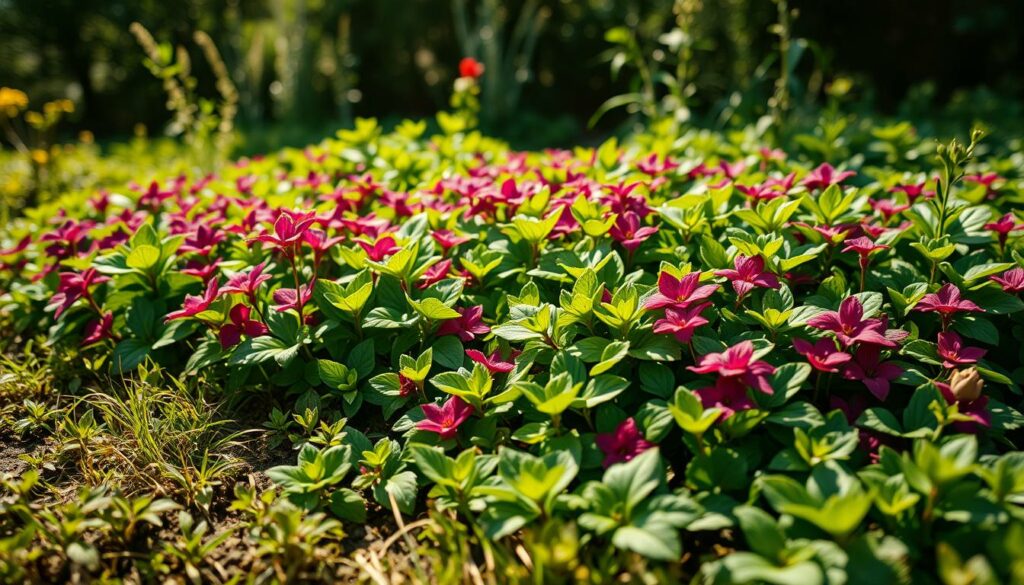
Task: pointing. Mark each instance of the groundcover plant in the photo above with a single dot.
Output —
(684, 356)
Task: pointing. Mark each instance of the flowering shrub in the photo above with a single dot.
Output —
(670, 343)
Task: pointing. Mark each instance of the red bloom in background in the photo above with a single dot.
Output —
(986, 179)
(825, 176)
(1012, 280)
(623, 444)
(246, 283)
(74, 286)
(763, 192)
(435, 273)
(380, 249)
(627, 231)
(822, 355)
(887, 207)
(947, 303)
(21, 246)
(868, 368)
(727, 395)
(445, 419)
(954, 353)
(748, 274)
(231, 333)
(98, 330)
(737, 363)
(201, 269)
(494, 363)
(288, 229)
(1003, 227)
(651, 166)
(467, 326)
(682, 322)
(914, 191)
(286, 298)
(318, 241)
(67, 238)
(864, 248)
(470, 67)
(679, 293)
(202, 240)
(194, 304)
(850, 326)
(621, 199)
(448, 239)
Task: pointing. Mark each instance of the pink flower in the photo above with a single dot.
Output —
(67, 239)
(887, 207)
(448, 239)
(318, 241)
(947, 303)
(824, 176)
(493, 362)
(380, 249)
(727, 395)
(679, 293)
(74, 286)
(246, 283)
(867, 368)
(285, 298)
(682, 322)
(623, 444)
(1012, 280)
(738, 363)
(731, 170)
(98, 330)
(18, 248)
(231, 333)
(467, 326)
(651, 166)
(627, 231)
(621, 199)
(954, 353)
(154, 197)
(201, 269)
(288, 229)
(202, 240)
(194, 304)
(762, 192)
(823, 355)
(864, 248)
(445, 419)
(914, 191)
(435, 274)
(1003, 226)
(850, 326)
(749, 273)
(986, 179)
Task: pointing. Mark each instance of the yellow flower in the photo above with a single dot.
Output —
(40, 156)
(12, 101)
(86, 137)
(35, 119)
(966, 384)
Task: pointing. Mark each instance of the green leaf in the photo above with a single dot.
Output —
(448, 352)
(143, 258)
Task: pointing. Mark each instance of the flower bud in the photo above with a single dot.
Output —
(966, 384)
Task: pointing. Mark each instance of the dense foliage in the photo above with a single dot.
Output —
(685, 347)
